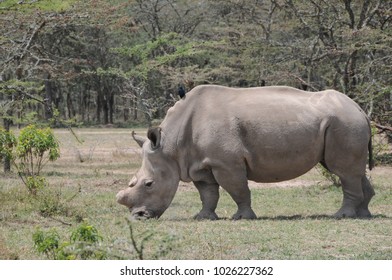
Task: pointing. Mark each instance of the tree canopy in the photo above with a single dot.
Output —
(122, 62)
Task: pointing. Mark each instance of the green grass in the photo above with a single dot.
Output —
(293, 223)
(45, 5)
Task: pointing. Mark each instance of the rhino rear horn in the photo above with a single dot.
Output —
(139, 139)
(154, 134)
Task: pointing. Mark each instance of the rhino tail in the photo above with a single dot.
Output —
(370, 146)
(370, 149)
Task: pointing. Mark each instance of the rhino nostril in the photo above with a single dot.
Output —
(140, 213)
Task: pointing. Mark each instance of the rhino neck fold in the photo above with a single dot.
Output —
(178, 136)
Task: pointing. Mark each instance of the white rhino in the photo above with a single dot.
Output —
(220, 136)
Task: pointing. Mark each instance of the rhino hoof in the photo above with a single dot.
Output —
(364, 213)
(246, 215)
(345, 213)
(206, 216)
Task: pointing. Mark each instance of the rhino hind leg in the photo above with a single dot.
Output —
(357, 193)
(209, 196)
(368, 193)
(355, 200)
(346, 155)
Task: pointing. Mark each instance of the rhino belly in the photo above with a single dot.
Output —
(274, 158)
(277, 171)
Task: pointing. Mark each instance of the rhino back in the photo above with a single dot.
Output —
(267, 129)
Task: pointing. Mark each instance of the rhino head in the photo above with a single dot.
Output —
(152, 189)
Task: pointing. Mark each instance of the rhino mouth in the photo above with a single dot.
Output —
(142, 214)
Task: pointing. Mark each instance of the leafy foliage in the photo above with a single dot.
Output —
(29, 152)
(82, 245)
(33, 144)
(7, 143)
(86, 233)
(34, 148)
(104, 62)
(83, 239)
(48, 243)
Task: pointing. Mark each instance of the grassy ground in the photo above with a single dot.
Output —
(294, 217)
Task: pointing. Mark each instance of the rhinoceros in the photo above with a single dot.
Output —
(220, 136)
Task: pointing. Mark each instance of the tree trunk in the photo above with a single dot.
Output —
(7, 160)
(125, 109)
(105, 107)
(70, 105)
(48, 98)
(111, 107)
(134, 108)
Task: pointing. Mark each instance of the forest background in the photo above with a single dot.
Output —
(122, 62)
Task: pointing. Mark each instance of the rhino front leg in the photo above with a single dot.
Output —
(209, 196)
(237, 187)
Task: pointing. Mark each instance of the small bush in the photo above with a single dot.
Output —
(29, 153)
(84, 239)
(48, 243)
(83, 244)
(35, 147)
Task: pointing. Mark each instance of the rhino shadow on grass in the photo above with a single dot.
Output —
(295, 217)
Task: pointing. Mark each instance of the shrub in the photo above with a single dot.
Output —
(83, 244)
(84, 240)
(29, 153)
(35, 147)
(48, 243)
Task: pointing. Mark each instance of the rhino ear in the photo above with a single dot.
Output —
(154, 134)
(140, 140)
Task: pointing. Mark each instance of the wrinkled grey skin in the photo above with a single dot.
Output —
(219, 136)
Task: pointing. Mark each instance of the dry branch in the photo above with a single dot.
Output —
(382, 128)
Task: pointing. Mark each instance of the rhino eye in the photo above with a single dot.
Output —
(148, 183)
